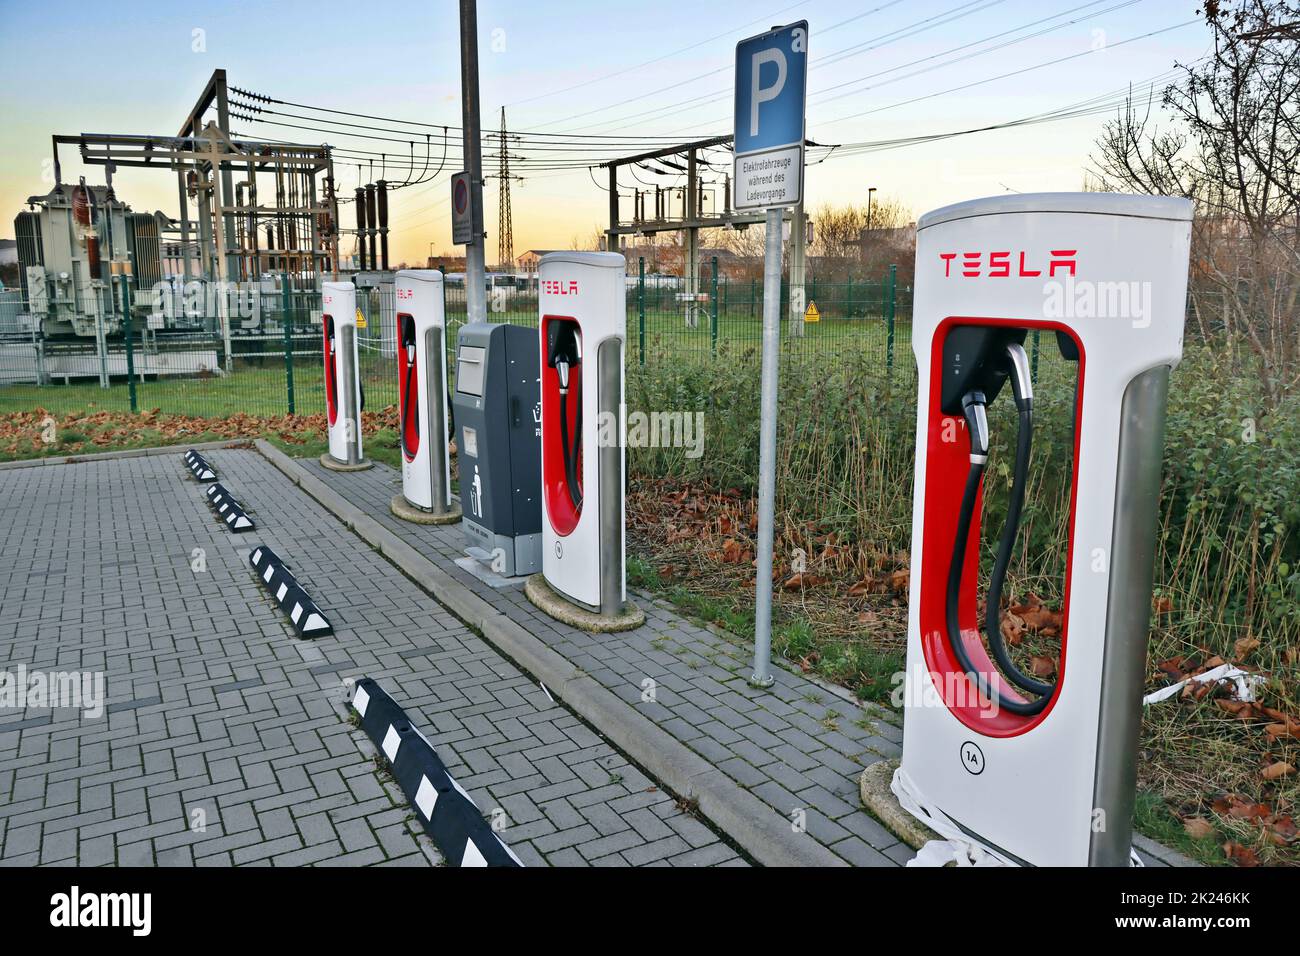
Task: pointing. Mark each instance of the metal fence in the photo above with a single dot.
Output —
(171, 353)
(176, 356)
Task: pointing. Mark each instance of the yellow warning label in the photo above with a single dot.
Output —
(811, 314)
(361, 319)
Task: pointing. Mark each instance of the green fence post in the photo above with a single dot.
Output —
(640, 306)
(449, 340)
(130, 348)
(752, 296)
(286, 320)
(891, 305)
(713, 319)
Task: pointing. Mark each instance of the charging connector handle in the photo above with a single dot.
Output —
(977, 424)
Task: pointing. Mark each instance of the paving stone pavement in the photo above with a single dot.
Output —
(217, 714)
(798, 746)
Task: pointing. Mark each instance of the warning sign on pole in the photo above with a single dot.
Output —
(463, 226)
(811, 314)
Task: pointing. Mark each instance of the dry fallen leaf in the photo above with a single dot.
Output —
(1237, 708)
(1286, 728)
(1042, 666)
(1283, 831)
(1242, 810)
(1013, 628)
(796, 581)
(1198, 828)
(1240, 855)
(1277, 770)
(1040, 617)
(1243, 646)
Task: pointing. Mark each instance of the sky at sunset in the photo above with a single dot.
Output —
(879, 71)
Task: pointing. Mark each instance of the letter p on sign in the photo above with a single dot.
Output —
(759, 93)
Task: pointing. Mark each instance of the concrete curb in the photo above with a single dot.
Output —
(1161, 852)
(401, 508)
(125, 453)
(745, 819)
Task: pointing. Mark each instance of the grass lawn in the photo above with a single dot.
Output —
(259, 384)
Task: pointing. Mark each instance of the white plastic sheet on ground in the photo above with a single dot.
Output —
(1244, 683)
(956, 848)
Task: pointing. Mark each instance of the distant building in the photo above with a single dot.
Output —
(446, 263)
(527, 262)
(898, 240)
(670, 260)
(8, 251)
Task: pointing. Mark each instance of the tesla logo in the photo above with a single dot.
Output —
(560, 286)
(999, 265)
(972, 758)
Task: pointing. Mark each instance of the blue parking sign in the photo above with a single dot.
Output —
(771, 91)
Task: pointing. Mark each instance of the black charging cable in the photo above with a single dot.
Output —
(408, 343)
(1022, 389)
(564, 353)
(331, 380)
(975, 411)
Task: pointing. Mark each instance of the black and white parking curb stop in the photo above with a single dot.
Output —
(452, 820)
(307, 619)
(228, 509)
(199, 467)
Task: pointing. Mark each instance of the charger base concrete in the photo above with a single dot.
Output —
(401, 508)
(546, 598)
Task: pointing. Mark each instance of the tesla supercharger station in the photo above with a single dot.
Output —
(422, 399)
(343, 398)
(1037, 771)
(582, 301)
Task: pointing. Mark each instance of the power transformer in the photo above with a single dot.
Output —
(68, 242)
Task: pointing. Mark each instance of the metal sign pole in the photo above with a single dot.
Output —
(770, 100)
(475, 260)
(762, 676)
